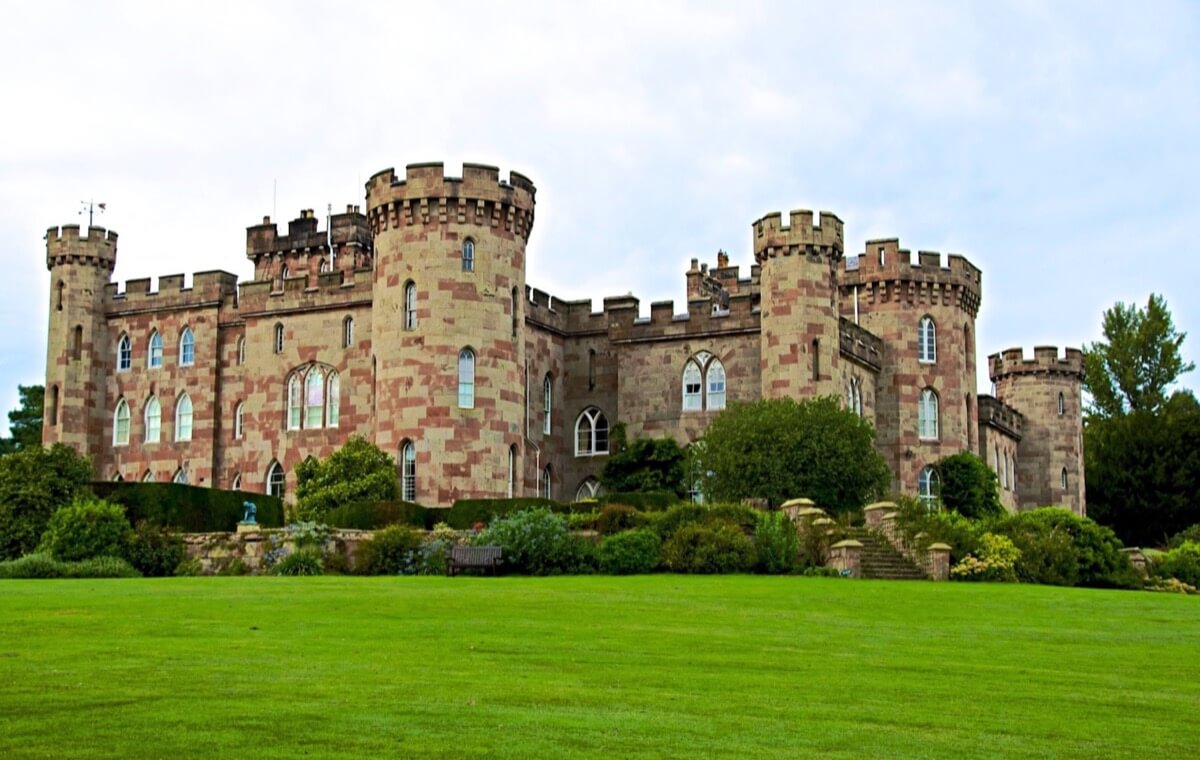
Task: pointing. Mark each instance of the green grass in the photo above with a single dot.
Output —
(656, 666)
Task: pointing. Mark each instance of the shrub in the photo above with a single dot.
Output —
(38, 565)
(740, 515)
(646, 501)
(679, 516)
(391, 551)
(644, 464)
(716, 548)
(467, 512)
(816, 538)
(615, 518)
(997, 561)
(237, 567)
(1058, 548)
(86, 528)
(630, 553)
(190, 509)
(777, 543)
(306, 561)
(34, 482)
(582, 520)
(373, 515)
(920, 527)
(358, 471)
(189, 567)
(1191, 533)
(155, 551)
(969, 486)
(101, 567)
(1181, 563)
(538, 542)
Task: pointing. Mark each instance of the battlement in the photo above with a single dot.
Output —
(567, 317)
(64, 245)
(774, 238)
(304, 233)
(885, 262)
(427, 196)
(1045, 361)
(207, 288)
(333, 289)
(738, 315)
(994, 412)
(861, 344)
(720, 281)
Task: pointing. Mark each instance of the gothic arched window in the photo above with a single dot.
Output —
(926, 341)
(591, 433)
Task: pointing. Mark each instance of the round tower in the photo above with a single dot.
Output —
(799, 334)
(78, 355)
(925, 312)
(447, 327)
(1047, 390)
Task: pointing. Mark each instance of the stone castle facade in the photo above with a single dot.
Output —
(411, 324)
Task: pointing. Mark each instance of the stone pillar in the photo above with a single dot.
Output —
(939, 562)
(1137, 558)
(846, 556)
(873, 513)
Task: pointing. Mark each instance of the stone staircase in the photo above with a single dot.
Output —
(880, 559)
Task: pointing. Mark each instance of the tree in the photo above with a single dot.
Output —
(359, 471)
(647, 464)
(969, 486)
(780, 449)
(34, 482)
(1133, 370)
(25, 422)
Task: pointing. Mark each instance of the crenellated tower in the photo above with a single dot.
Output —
(78, 355)
(1047, 390)
(799, 303)
(449, 292)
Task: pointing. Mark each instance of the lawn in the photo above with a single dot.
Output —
(655, 666)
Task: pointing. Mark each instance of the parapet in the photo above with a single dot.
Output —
(861, 344)
(1045, 361)
(773, 238)
(304, 233)
(64, 245)
(884, 261)
(207, 288)
(996, 413)
(427, 196)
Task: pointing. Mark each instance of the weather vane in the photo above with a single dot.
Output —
(91, 207)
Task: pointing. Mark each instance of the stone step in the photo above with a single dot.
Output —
(880, 559)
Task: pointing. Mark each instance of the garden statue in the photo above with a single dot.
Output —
(251, 511)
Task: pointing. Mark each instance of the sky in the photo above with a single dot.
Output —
(1055, 145)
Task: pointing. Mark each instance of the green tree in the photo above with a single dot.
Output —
(646, 464)
(1133, 368)
(779, 449)
(359, 471)
(25, 422)
(34, 483)
(969, 486)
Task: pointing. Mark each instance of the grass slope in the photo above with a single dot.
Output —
(656, 666)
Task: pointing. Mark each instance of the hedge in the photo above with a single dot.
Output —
(190, 509)
(372, 515)
(648, 501)
(466, 512)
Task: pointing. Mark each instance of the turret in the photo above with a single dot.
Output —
(1047, 390)
(448, 324)
(78, 355)
(306, 250)
(798, 270)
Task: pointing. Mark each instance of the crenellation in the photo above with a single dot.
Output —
(1045, 360)
(800, 236)
(994, 412)
(65, 244)
(207, 288)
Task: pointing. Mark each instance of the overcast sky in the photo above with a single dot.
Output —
(1055, 145)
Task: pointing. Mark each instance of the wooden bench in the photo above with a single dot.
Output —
(473, 556)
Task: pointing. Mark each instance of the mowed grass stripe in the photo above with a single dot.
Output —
(654, 666)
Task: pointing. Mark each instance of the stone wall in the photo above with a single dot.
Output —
(226, 552)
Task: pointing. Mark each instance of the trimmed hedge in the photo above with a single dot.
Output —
(647, 501)
(190, 509)
(373, 515)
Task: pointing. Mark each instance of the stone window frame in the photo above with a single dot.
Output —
(468, 255)
(927, 340)
(589, 488)
(154, 353)
(928, 487)
(276, 479)
(854, 395)
(546, 478)
(187, 347)
(692, 386)
(516, 312)
(184, 417)
(236, 483)
(347, 331)
(278, 338)
(1062, 404)
(312, 397)
(547, 403)
(121, 423)
(466, 378)
(152, 419)
(241, 350)
(703, 373)
(180, 477)
(592, 423)
(928, 428)
(124, 353)
(408, 471)
(410, 305)
(512, 471)
(239, 427)
(1064, 479)
(147, 476)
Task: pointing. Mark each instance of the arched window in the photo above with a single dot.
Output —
(691, 386)
(515, 311)
(187, 348)
(1012, 472)
(716, 385)
(1064, 478)
(926, 341)
(153, 419)
(1004, 471)
(545, 484)
(547, 404)
(154, 355)
(927, 415)
(60, 291)
(591, 433)
(466, 379)
(121, 424)
(183, 418)
(928, 487)
(278, 338)
(512, 471)
(117, 477)
(588, 489)
(996, 461)
(275, 479)
(295, 395)
(408, 471)
(124, 353)
(284, 272)
(591, 369)
(468, 255)
(410, 305)
(77, 343)
(324, 264)
(180, 477)
(333, 401)
(53, 411)
(314, 397)
(147, 477)
(238, 417)
(236, 485)
(1062, 404)
(241, 351)
(816, 359)
(347, 332)
(854, 396)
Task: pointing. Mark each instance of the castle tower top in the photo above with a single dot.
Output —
(1045, 361)
(64, 245)
(774, 238)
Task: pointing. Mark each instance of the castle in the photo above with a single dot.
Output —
(412, 326)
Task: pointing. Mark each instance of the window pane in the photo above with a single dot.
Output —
(333, 400)
(466, 379)
(153, 421)
(716, 385)
(314, 402)
(691, 387)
